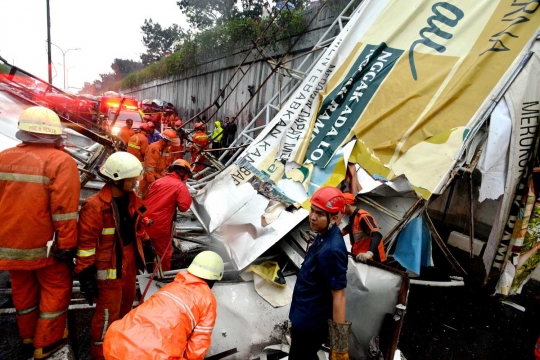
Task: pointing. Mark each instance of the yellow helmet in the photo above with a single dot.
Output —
(207, 265)
(40, 120)
(121, 165)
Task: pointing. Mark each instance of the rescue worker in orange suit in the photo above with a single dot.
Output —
(318, 302)
(138, 143)
(157, 159)
(126, 132)
(176, 322)
(177, 150)
(39, 198)
(165, 196)
(364, 233)
(199, 142)
(112, 245)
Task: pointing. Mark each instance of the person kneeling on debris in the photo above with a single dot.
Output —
(165, 196)
(110, 247)
(364, 233)
(176, 322)
(318, 304)
(39, 197)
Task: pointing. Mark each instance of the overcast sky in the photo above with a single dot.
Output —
(102, 29)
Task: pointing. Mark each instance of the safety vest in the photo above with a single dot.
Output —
(361, 241)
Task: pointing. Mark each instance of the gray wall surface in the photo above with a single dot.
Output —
(215, 70)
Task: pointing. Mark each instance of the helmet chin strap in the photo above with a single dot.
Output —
(329, 222)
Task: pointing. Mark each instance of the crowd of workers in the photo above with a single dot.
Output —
(118, 232)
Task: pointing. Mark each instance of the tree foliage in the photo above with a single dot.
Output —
(203, 14)
(158, 41)
(123, 67)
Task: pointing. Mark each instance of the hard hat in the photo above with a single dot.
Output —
(182, 164)
(147, 117)
(178, 123)
(349, 198)
(40, 120)
(151, 124)
(171, 136)
(197, 125)
(207, 265)
(121, 165)
(144, 127)
(329, 199)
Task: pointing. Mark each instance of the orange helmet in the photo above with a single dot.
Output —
(329, 199)
(171, 136)
(144, 127)
(349, 198)
(181, 164)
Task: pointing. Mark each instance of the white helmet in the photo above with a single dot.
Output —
(121, 165)
(40, 120)
(207, 265)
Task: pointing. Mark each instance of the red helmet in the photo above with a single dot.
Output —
(178, 123)
(329, 199)
(197, 125)
(147, 117)
(144, 127)
(151, 124)
(171, 136)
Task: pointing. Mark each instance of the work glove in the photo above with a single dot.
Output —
(149, 256)
(88, 281)
(65, 256)
(364, 257)
(339, 340)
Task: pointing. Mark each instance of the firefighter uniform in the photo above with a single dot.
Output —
(39, 198)
(115, 259)
(125, 134)
(361, 228)
(199, 142)
(156, 161)
(165, 195)
(137, 145)
(176, 322)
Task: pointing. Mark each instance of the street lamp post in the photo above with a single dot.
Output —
(64, 60)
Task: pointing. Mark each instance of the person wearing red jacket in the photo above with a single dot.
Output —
(110, 247)
(176, 322)
(156, 160)
(39, 198)
(364, 233)
(165, 196)
(199, 142)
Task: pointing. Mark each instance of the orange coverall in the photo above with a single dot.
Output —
(165, 196)
(100, 244)
(175, 323)
(361, 236)
(138, 144)
(156, 161)
(39, 197)
(125, 134)
(199, 142)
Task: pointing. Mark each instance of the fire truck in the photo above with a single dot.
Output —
(116, 117)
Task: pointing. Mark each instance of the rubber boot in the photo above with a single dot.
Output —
(46, 351)
(339, 340)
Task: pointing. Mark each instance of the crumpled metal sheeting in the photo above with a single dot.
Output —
(371, 294)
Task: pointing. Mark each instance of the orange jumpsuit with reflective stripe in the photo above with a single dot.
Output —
(125, 134)
(199, 142)
(156, 161)
(360, 237)
(39, 197)
(100, 244)
(175, 323)
(137, 145)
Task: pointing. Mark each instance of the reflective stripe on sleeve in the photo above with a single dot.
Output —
(134, 146)
(108, 231)
(86, 253)
(64, 217)
(51, 315)
(109, 274)
(166, 154)
(150, 169)
(27, 311)
(22, 254)
(36, 179)
(207, 329)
